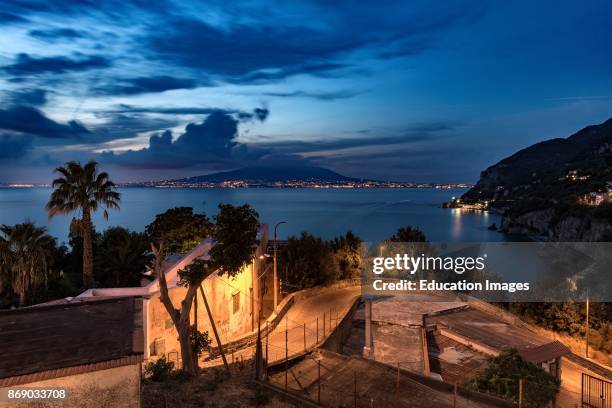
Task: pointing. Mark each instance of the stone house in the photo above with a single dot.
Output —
(234, 301)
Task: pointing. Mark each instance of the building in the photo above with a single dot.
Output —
(92, 347)
(234, 301)
(594, 198)
(547, 356)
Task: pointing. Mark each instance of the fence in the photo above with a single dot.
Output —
(596, 393)
(334, 380)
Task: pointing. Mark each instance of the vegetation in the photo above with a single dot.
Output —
(212, 388)
(408, 234)
(307, 261)
(81, 190)
(26, 253)
(501, 378)
(159, 370)
(347, 253)
(235, 235)
(569, 317)
(200, 341)
(179, 228)
(121, 257)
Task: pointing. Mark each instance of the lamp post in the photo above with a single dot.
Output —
(275, 268)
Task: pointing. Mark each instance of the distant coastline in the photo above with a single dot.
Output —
(267, 184)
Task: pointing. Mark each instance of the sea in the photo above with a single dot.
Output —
(372, 214)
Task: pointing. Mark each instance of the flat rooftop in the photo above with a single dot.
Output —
(452, 360)
(487, 329)
(376, 384)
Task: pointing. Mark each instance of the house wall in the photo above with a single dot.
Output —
(115, 387)
(162, 338)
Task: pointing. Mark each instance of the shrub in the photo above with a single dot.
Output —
(159, 370)
(501, 378)
(200, 341)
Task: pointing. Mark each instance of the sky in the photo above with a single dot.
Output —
(413, 91)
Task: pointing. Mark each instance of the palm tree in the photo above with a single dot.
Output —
(25, 252)
(81, 189)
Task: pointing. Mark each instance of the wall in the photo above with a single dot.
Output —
(162, 337)
(116, 387)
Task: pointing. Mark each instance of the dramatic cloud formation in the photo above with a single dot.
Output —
(211, 142)
(29, 120)
(392, 89)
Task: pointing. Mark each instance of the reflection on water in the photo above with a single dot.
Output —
(373, 214)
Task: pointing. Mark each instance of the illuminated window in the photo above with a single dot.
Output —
(236, 302)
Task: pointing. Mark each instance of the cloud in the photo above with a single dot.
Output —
(30, 97)
(14, 146)
(6, 17)
(31, 121)
(26, 65)
(259, 114)
(127, 126)
(57, 33)
(314, 38)
(209, 142)
(244, 49)
(325, 70)
(323, 96)
(386, 137)
(140, 85)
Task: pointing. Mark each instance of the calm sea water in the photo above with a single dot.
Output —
(373, 214)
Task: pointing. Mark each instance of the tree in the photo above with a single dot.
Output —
(121, 257)
(26, 252)
(501, 378)
(408, 234)
(310, 259)
(82, 190)
(235, 236)
(179, 228)
(347, 251)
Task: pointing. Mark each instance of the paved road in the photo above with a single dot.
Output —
(304, 326)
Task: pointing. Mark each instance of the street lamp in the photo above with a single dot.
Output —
(275, 269)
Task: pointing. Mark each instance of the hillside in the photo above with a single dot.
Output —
(542, 170)
(272, 174)
(539, 187)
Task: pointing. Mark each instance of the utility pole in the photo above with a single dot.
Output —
(275, 267)
(587, 325)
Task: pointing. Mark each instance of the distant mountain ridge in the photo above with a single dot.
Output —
(271, 174)
(541, 188)
(541, 170)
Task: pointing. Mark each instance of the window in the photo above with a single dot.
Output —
(158, 347)
(236, 302)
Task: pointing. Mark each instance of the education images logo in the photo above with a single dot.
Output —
(404, 272)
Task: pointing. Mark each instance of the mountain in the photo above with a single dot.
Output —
(552, 169)
(539, 188)
(272, 174)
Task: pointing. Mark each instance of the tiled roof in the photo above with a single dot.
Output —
(544, 352)
(73, 370)
(64, 335)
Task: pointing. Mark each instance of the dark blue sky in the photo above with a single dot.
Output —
(416, 91)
